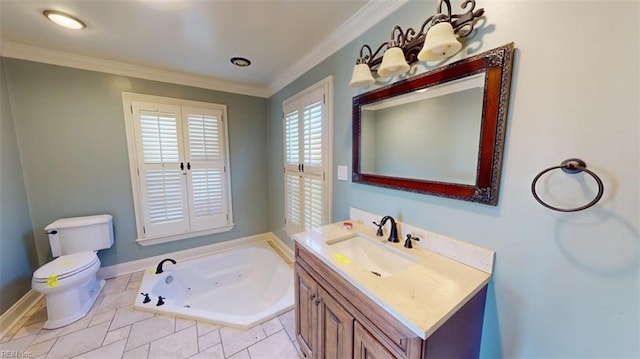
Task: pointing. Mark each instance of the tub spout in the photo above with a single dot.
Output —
(159, 267)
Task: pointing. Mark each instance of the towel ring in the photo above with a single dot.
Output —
(571, 166)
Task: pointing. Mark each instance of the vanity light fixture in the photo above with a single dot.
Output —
(64, 20)
(436, 40)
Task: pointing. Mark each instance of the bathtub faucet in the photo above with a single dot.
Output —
(159, 268)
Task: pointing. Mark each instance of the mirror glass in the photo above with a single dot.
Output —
(415, 127)
(440, 132)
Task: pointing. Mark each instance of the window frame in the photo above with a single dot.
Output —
(127, 100)
(326, 86)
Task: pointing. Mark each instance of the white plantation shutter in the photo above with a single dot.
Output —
(164, 191)
(293, 204)
(208, 197)
(204, 136)
(313, 203)
(305, 132)
(181, 166)
(164, 195)
(292, 139)
(312, 127)
(207, 166)
(159, 137)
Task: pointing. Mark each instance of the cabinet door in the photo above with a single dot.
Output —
(335, 328)
(366, 346)
(306, 310)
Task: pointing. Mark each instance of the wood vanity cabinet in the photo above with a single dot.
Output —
(366, 346)
(335, 320)
(325, 327)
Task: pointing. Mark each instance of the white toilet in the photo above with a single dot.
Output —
(69, 282)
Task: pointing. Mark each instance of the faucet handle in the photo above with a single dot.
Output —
(146, 298)
(379, 232)
(407, 242)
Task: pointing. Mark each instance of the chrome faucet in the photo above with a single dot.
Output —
(393, 233)
(159, 267)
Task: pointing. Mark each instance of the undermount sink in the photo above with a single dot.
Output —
(378, 258)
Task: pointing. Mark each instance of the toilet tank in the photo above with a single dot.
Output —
(80, 234)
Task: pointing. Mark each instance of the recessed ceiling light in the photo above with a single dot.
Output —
(240, 61)
(63, 19)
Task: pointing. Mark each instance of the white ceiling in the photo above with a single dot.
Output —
(194, 39)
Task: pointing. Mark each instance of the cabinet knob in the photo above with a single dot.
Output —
(317, 301)
(312, 297)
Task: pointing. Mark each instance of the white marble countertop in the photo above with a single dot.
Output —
(422, 296)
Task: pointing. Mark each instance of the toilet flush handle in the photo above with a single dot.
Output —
(54, 243)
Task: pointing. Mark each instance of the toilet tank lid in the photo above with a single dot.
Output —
(78, 221)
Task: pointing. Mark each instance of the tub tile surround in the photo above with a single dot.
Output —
(443, 280)
(113, 329)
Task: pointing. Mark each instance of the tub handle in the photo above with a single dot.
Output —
(146, 298)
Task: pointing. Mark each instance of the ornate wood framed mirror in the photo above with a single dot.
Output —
(439, 133)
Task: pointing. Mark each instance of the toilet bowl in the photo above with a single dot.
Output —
(69, 282)
(70, 285)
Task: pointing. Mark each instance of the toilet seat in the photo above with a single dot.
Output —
(65, 266)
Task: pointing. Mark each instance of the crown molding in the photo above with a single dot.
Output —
(369, 15)
(30, 53)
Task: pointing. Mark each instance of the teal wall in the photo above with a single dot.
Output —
(17, 250)
(71, 136)
(565, 284)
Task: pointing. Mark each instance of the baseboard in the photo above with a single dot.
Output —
(17, 311)
(150, 262)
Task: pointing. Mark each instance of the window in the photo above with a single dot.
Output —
(179, 167)
(307, 144)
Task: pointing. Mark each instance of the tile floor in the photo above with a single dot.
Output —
(113, 329)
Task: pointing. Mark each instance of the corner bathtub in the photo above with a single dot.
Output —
(239, 287)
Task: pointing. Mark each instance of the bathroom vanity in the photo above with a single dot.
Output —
(359, 296)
